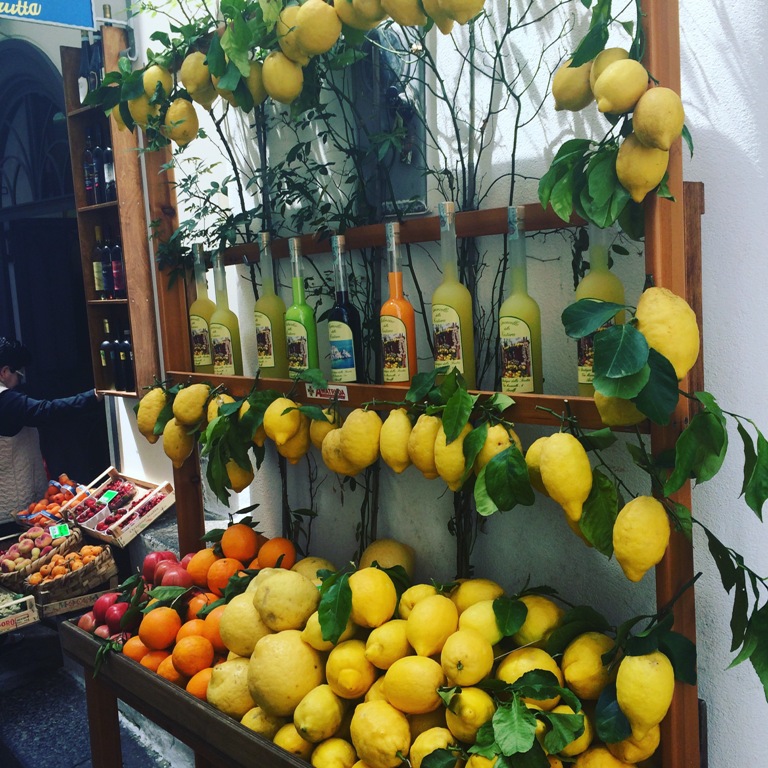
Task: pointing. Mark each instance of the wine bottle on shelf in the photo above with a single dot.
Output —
(397, 319)
(225, 328)
(269, 316)
(106, 267)
(96, 63)
(452, 306)
(200, 312)
(519, 318)
(118, 370)
(105, 357)
(97, 153)
(88, 170)
(126, 362)
(300, 324)
(85, 63)
(601, 284)
(106, 12)
(96, 257)
(118, 271)
(344, 323)
(110, 186)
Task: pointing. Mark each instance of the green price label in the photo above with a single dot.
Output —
(57, 531)
(107, 496)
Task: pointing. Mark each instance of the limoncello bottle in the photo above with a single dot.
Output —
(397, 319)
(200, 312)
(300, 324)
(452, 306)
(344, 332)
(225, 328)
(519, 318)
(269, 316)
(601, 284)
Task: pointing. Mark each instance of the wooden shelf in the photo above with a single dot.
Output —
(98, 207)
(80, 110)
(107, 302)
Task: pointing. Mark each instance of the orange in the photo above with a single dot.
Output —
(198, 566)
(189, 628)
(254, 564)
(167, 669)
(134, 649)
(220, 572)
(199, 601)
(211, 630)
(198, 683)
(192, 654)
(153, 659)
(273, 549)
(241, 542)
(159, 627)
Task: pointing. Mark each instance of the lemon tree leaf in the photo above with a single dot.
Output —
(588, 315)
(620, 350)
(422, 383)
(750, 456)
(456, 413)
(688, 139)
(499, 402)
(483, 503)
(514, 727)
(658, 398)
(507, 481)
(575, 622)
(510, 615)
(472, 445)
(592, 43)
(683, 520)
(561, 198)
(542, 684)
(625, 387)
(217, 61)
(598, 440)
(563, 729)
(440, 758)
(535, 757)
(611, 723)
(335, 605)
(682, 654)
(756, 491)
(599, 513)
(699, 451)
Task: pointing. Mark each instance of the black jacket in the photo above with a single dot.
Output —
(17, 410)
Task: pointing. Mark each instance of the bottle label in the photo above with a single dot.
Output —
(394, 346)
(264, 347)
(342, 352)
(98, 277)
(586, 353)
(201, 340)
(446, 327)
(298, 346)
(516, 358)
(223, 355)
(103, 358)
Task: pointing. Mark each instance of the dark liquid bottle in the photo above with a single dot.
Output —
(96, 64)
(105, 356)
(85, 63)
(96, 258)
(126, 362)
(118, 271)
(99, 195)
(110, 187)
(344, 324)
(106, 268)
(118, 369)
(88, 171)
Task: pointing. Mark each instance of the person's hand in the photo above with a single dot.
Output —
(99, 395)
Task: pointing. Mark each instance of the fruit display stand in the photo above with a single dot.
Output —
(16, 611)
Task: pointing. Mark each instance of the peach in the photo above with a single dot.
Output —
(43, 540)
(7, 566)
(26, 546)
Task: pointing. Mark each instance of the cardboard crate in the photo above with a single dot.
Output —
(71, 604)
(25, 613)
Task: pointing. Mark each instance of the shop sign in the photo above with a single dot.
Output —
(67, 13)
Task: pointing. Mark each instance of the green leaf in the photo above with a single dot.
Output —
(472, 445)
(682, 653)
(756, 491)
(514, 727)
(688, 139)
(561, 198)
(575, 622)
(611, 723)
(620, 350)
(599, 513)
(422, 384)
(231, 77)
(440, 758)
(483, 503)
(683, 520)
(591, 44)
(216, 60)
(598, 440)
(699, 451)
(658, 398)
(756, 646)
(507, 481)
(314, 412)
(725, 566)
(750, 456)
(632, 220)
(510, 615)
(456, 414)
(587, 316)
(499, 402)
(625, 387)
(335, 606)
(563, 729)
(542, 684)
(535, 757)
(168, 594)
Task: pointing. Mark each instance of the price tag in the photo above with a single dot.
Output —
(328, 393)
(57, 531)
(107, 496)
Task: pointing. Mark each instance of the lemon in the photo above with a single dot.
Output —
(466, 657)
(333, 457)
(239, 478)
(225, 93)
(155, 75)
(430, 623)
(481, 618)
(215, 403)
(388, 643)
(640, 169)
(498, 439)
(407, 13)
(380, 734)
(281, 426)
(640, 536)
(376, 691)
(118, 118)
(428, 741)
(196, 78)
(287, 38)
(599, 757)
(620, 86)
(150, 407)
(370, 10)
(582, 665)
(282, 78)
(518, 662)
(319, 428)
(421, 445)
(350, 16)
(286, 600)
(413, 595)
(449, 457)
(259, 579)
(256, 719)
(389, 553)
(658, 118)
(393, 440)
(426, 720)
(312, 634)
(359, 437)
(333, 753)
(543, 617)
(311, 566)
(632, 750)
(181, 124)
(374, 597)
(570, 87)
(289, 739)
(602, 60)
(349, 672)
(533, 462)
(478, 761)
(189, 404)
(297, 446)
(461, 11)
(617, 412)
(141, 110)
(580, 743)
(411, 684)
(318, 715)
(228, 688)
(259, 436)
(555, 762)
(644, 687)
(472, 591)
(442, 20)
(317, 27)
(241, 626)
(469, 710)
(178, 444)
(566, 472)
(670, 327)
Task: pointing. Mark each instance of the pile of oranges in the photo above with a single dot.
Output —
(48, 508)
(61, 565)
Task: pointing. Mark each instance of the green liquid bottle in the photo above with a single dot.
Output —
(225, 328)
(269, 316)
(200, 312)
(300, 324)
(519, 318)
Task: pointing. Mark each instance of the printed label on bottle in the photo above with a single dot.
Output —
(298, 346)
(516, 358)
(201, 340)
(342, 352)
(264, 347)
(223, 356)
(103, 357)
(394, 345)
(98, 277)
(586, 353)
(446, 327)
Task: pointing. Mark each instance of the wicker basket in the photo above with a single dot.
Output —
(15, 581)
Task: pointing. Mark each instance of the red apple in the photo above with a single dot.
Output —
(162, 568)
(87, 622)
(151, 560)
(185, 560)
(114, 614)
(101, 605)
(102, 631)
(176, 577)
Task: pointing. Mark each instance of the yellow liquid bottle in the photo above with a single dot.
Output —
(519, 318)
(200, 312)
(225, 328)
(601, 284)
(269, 317)
(452, 326)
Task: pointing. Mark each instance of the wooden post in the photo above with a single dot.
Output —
(104, 724)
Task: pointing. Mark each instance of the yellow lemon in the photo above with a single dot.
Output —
(351, 16)
(421, 445)
(407, 13)
(215, 403)
(617, 412)
(312, 634)
(580, 743)
(349, 672)
(141, 110)
(359, 437)
(281, 426)
(388, 643)
(640, 169)
(430, 623)
(374, 597)
(241, 626)
(393, 440)
(413, 595)
(155, 75)
(566, 472)
(461, 11)
(498, 439)
(543, 617)
(369, 10)
(518, 662)
(287, 38)
(255, 83)
(570, 87)
(317, 27)
(310, 566)
(256, 719)
(449, 457)
(599, 757)
(411, 684)
(481, 618)
(389, 553)
(319, 428)
(297, 446)
(289, 739)
(333, 753)
(286, 600)
(620, 86)
(228, 688)
(318, 715)
(442, 20)
(466, 658)
(426, 720)
(189, 404)
(196, 78)
(582, 665)
(533, 462)
(602, 60)
(644, 688)
(239, 477)
(178, 444)
(150, 407)
(640, 536)
(468, 710)
(658, 118)
(472, 591)
(632, 750)
(282, 78)
(181, 124)
(380, 734)
(428, 741)
(376, 691)
(333, 458)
